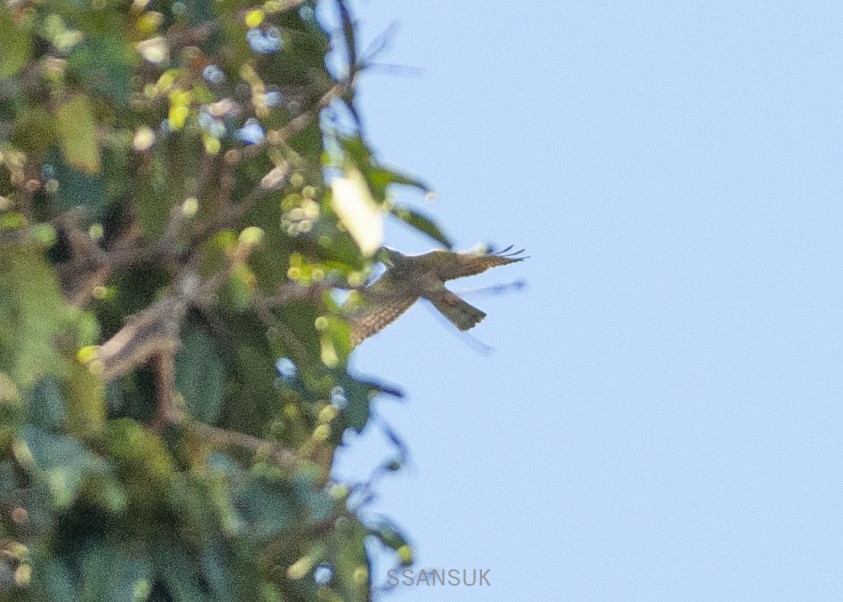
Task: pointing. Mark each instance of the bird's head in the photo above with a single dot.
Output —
(388, 257)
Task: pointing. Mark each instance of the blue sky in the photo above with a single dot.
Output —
(662, 414)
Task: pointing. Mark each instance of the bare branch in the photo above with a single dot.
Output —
(282, 456)
(150, 333)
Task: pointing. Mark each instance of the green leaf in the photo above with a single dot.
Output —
(60, 462)
(46, 407)
(141, 458)
(104, 67)
(32, 314)
(349, 559)
(84, 393)
(251, 397)
(381, 178)
(392, 537)
(34, 129)
(15, 44)
(200, 11)
(200, 376)
(265, 506)
(51, 578)
(352, 396)
(378, 177)
(75, 186)
(108, 573)
(422, 223)
(153, 187)
(77, 131)
(177, 570)
(230, 571)
(298, 333)
(215, 565)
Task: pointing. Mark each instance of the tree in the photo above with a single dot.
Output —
(183, 189)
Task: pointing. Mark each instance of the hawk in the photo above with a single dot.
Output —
(409, 278)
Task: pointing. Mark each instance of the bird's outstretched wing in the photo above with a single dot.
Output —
(449, 265)
(377, 306)
(376, 317)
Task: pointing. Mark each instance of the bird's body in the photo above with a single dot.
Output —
(409, 278)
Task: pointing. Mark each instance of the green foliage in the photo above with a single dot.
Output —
(173, 380)
(200, 375)
(15, 48)
(32, 312)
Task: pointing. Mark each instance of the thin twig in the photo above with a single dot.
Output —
(166, 411)
(284, 457)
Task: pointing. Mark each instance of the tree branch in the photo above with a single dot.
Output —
(282, 456)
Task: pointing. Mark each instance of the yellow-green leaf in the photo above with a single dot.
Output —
(32, 314)
(85, 395)
(77, 131)
(15, 45)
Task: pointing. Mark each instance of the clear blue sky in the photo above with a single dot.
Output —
(662, 416)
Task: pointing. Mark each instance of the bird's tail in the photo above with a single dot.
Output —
(461, 314)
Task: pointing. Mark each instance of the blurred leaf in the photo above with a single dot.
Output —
(85, 395)
(32, 313)
(15, 44)
(12, 220)
(61, 462)
(76, 187)
(270, 260)
(200, 11)
(302, 56)
(359, 395)
(381, 178)
(77, 131)
(215, 568)
(108, 573)
(317, 502)
(51, 578)
(349, 559)
(104, 67)
(176, 569)
(35, 129)
(392, 537)
(153, 186)
(377, 176)
(297, 330)
(243, 575)
(105, 490)
(337, 336)
(265, 506)
(200, 376)
(422, 223)
(251, 398)
(189, 497)
(46, 407)
(140, 456)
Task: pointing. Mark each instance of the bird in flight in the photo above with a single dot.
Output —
(409, 278)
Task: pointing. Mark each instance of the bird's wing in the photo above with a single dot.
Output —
(376, 316)
(449, 265)
(377, 306)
